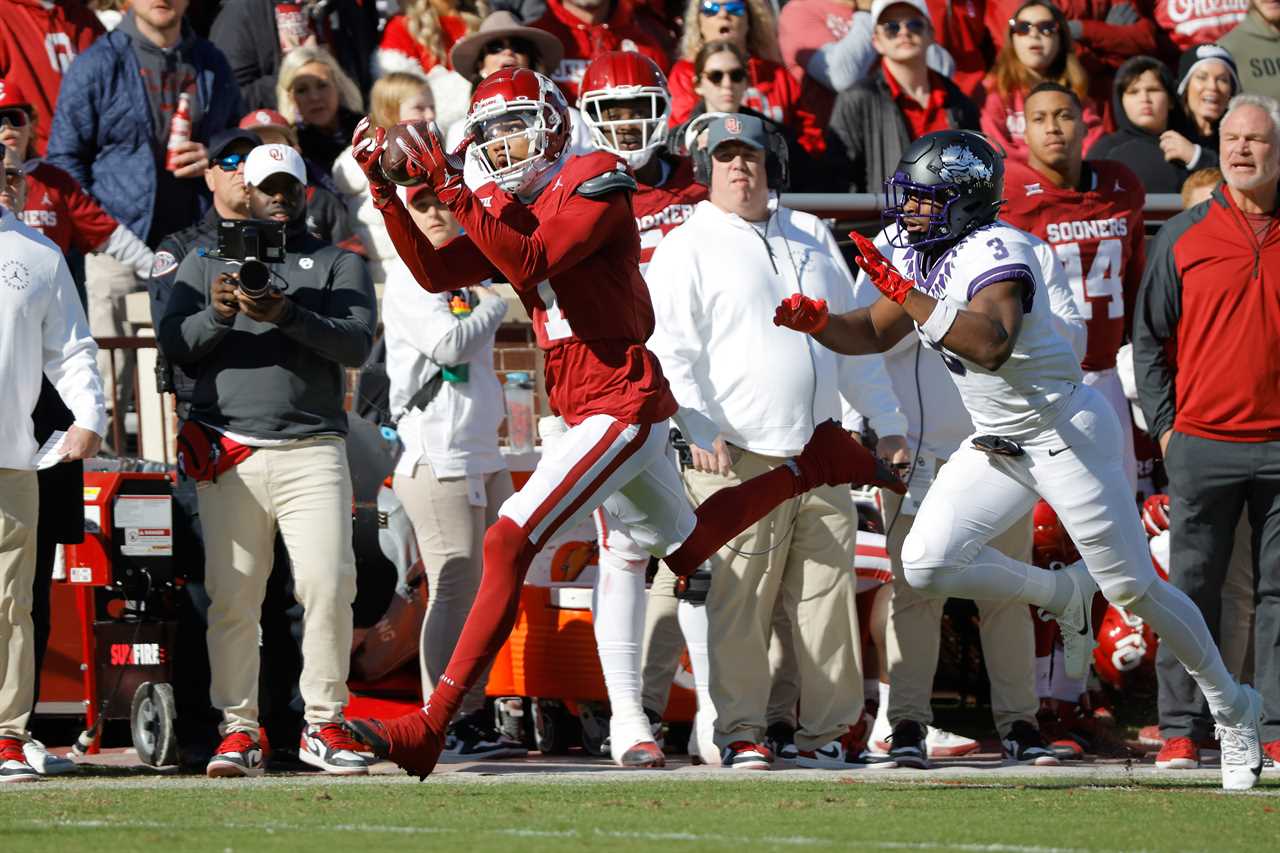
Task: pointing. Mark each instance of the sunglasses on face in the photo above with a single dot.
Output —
(15, 118)
(736, 75)
(231, 162)
(915, 26)
(514, 45)
(737, 8)
(1024, 28)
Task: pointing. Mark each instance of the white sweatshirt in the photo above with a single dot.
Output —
(42, 328)
(715, 283)
(457, 433)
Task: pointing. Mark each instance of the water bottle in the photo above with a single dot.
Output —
(518, 390)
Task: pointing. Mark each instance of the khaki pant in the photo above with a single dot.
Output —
(106, 283)
(913, 629)
(801, 553)
(450, 533)
(19, 509)
(303, 489)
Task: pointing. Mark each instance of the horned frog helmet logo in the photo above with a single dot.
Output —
(961, 166)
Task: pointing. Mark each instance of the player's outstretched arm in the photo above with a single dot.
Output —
(984, 333)
(455, 265)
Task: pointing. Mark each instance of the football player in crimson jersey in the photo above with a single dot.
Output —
(560, 229)
(625, 105)
(1091, 214)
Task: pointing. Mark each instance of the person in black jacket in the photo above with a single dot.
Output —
(1146, 106)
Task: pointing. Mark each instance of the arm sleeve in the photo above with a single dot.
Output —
(455, 265)
(678, 339)
(160, 286)
(576, 231)
(345, 335)
(190, 329)
(1067, 320)
(70, 354)
(446, 339)
(92, 227)
(1156, 321)
(841, 63)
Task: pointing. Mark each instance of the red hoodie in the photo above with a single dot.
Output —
(1187, 23)
(584, 42)
(38, 40)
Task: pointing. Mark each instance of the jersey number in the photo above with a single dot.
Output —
(1103, 280)
(556, 327)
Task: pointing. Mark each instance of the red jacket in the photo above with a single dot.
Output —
(584, 42)
(1214, 287)
(38, 40)
(960, 27)
(59, 209)
(1102, 47)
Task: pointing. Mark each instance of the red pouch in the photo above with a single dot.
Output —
(203, 453)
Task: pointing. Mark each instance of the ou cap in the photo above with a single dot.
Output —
(275, 159)
(736, 127)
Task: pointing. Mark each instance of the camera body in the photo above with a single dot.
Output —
(254, 243)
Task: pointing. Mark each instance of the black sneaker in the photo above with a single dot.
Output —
(781, 738)
(475, 736)
(1024, 745)
(907, 746)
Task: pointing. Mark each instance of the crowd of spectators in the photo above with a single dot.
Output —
(133, 123)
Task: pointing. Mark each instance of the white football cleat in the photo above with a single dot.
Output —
(1242, 747)
(1076, 622)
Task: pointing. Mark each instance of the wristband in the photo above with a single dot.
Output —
(939, 323)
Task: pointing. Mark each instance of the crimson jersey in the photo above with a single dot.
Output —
(1097, 236)
(59, 209)
(573, 257)
(38, 41)
(660, 208)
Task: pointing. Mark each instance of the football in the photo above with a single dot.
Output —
(394, 161)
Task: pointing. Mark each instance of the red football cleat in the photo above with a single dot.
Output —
(835, 457)
(646, 754)
(407, 741)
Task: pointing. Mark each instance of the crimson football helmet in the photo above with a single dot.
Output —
(1126, 645)
(1051, 547)
(517, 111)
(624, 75)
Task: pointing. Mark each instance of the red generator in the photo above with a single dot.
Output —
(115, 660)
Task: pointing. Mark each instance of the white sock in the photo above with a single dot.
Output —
(883, 688)
(1062, 687)
(693, 624)
(617, 610)
(1180, 625)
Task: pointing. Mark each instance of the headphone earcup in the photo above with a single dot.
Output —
(701, 167)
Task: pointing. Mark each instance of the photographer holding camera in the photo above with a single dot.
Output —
(265, 326)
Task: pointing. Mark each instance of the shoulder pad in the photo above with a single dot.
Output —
(607, 183)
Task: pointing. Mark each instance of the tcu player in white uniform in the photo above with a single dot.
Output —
(972, 289)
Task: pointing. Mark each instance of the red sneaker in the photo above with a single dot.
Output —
(834, 457)
(407, 741)
(1150, 736)
(13, 763)
(1178, 753)
(238, 755)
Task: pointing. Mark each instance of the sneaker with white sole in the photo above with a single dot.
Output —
(46, 763)
(1076, 622)
(1242, 746)
(1024, 745)
(745, 755)
(843, 753)
(331, 748)
(13, 763)
(475, 736)
(941, 743)
(781, 738)
(238, 755)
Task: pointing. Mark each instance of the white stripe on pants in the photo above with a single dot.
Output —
(304, 489)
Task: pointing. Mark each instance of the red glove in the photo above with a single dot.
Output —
(1155, 514)
(882, 274)
(428, 159)
(803, 314)
(368, 154)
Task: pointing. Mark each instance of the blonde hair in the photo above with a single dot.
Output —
(762, 32)
(422, 18)
(389, 92)
(294, 61)
(1199, 179)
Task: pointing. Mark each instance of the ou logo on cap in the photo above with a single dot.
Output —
(732, 125)
(262, 117)
(276, 152)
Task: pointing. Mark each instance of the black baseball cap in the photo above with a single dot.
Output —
(223, 140)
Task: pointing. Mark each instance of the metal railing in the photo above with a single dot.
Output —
(864, 208)
(150, 429)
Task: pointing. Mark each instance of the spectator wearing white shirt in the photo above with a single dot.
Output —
(714, 282)
(451, 478)
(44, 332)
(937, 424)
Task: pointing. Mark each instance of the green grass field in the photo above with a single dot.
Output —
(740, 815)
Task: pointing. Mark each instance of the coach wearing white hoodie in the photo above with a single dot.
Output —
(42, 331)
(715, 282)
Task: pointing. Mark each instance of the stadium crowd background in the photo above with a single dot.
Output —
(108, 182)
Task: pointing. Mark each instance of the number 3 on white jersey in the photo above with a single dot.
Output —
(1103, 278)
(556, 327)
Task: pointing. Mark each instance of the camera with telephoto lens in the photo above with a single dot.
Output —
(253, 243)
